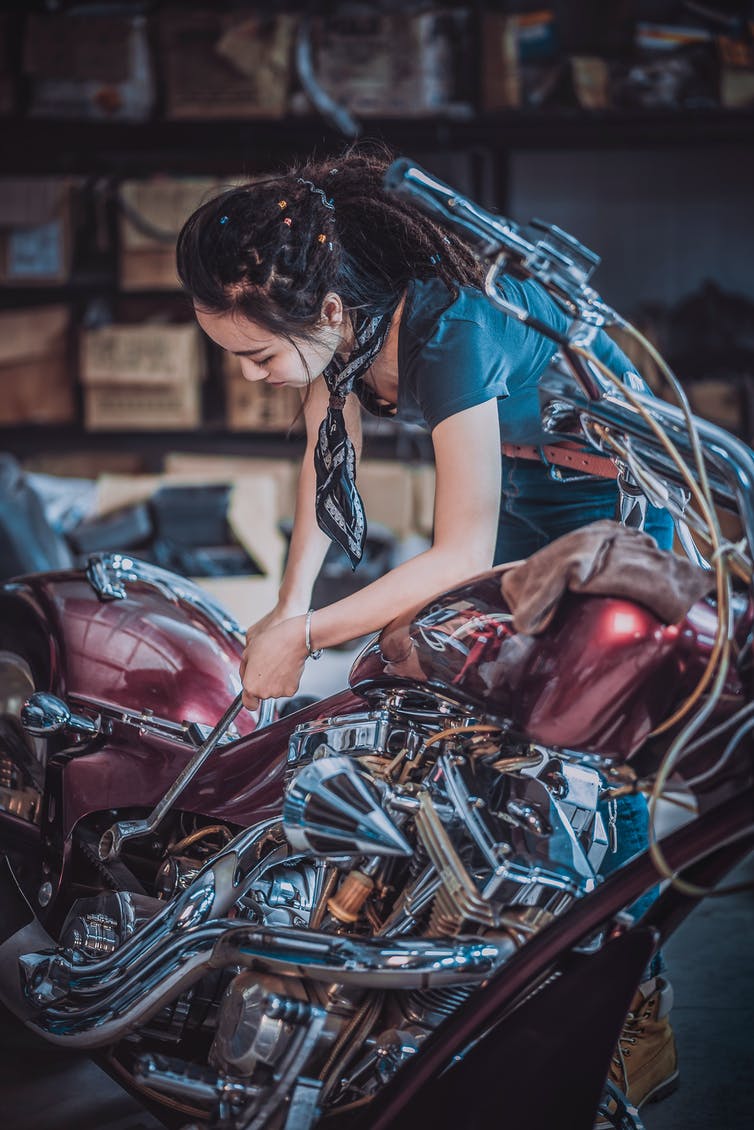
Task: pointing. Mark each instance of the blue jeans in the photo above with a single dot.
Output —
(535, 509)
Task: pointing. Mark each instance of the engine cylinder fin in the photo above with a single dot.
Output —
(458, 886)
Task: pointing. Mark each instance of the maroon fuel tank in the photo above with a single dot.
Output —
(602, 675)
(153, 649)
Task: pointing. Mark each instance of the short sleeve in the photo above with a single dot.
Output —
(458, 367)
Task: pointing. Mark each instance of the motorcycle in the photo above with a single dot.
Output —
(386, 907)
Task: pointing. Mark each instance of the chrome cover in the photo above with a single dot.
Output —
(331, 807)
(106, 573)
(354, 734)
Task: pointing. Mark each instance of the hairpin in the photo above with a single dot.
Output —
(282, 204)
(288, 221)
(318, 191)
(223, 220)
(321, 237)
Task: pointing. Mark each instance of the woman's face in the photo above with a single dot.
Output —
(266, 356)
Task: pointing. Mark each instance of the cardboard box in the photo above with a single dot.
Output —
(424, 500)
(387, 488)
(35, 230)
(219, 468)
(252, 406)
(88, 65)
(253, 517)
(721, 402)
(151, 214)
(141, 354)
(387, 63)
(225, 64)
(501, 77)
(387, 491)
(84, 464)
(640, 359)
(142, 377)
(36, 383)
(143, 407)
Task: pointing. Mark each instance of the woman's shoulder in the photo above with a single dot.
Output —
(431, 301)
(430, 304)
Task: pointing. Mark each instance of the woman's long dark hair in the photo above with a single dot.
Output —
(272, 249)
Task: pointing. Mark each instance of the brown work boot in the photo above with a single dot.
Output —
(645, 1063)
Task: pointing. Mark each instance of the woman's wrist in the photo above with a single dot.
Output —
(311, 651)
(293, 604)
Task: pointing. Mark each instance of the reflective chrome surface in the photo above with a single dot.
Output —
(45, 714)
(330, 808)
(107, 572)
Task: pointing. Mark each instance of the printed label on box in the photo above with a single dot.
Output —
(35, 252)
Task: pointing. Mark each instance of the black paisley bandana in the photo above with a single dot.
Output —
(339, 509)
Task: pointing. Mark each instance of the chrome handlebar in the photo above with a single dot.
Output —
(563, 267)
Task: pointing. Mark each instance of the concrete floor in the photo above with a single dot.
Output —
(709, 963)
(710, 966)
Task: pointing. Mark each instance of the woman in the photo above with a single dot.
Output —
(319, 279)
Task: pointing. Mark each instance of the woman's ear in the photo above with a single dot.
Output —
(332, 310)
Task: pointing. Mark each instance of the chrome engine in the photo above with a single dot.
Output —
(418, 848)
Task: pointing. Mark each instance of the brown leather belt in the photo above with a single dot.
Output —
(564, 455)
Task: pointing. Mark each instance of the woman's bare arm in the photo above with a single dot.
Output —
(467, 500)
(308, 543)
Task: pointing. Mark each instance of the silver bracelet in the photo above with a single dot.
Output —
(308, 636)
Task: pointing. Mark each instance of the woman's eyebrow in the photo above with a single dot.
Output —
(250, 352)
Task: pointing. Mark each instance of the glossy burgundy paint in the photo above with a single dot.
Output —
(146, 652)
(598, 679)
(242, 782)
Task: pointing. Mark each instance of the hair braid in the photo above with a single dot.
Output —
(274, 248)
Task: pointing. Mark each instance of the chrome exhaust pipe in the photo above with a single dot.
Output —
(64, 1003)
(217, 887)
(371, 963)
(96, 1004)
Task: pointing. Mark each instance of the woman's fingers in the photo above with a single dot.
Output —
(273, 662)
(250, 701)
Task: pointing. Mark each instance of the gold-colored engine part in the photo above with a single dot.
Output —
(353, 893)
(458, 897)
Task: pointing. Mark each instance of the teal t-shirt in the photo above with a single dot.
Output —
(456, 353)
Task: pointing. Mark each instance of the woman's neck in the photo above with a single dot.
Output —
(382, 376)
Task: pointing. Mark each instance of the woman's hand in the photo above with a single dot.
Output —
(273, 659)
(280, 612)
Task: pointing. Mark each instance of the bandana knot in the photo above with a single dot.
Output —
(339, 508)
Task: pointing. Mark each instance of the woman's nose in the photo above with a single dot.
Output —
(251, 371)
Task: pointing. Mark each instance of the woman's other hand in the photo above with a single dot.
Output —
(276, 615)
(273, 659)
